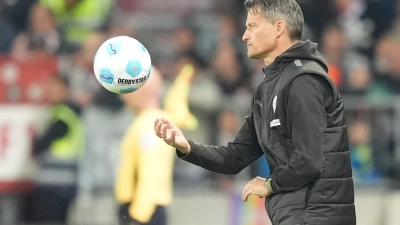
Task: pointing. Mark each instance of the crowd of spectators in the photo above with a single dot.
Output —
(359, 39)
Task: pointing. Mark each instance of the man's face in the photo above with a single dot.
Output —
(260, 35)
(55, 91)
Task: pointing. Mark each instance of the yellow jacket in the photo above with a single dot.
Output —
(145, 174)
(146, 168)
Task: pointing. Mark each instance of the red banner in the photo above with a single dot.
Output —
(22, 81)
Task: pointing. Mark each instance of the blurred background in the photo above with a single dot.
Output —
(39, 39)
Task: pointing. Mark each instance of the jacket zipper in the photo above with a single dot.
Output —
(265, 124)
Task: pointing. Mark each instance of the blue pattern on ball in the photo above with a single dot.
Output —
(141, 47)
(128, 90)
(133, 68)
(113, 48)
(106, 76)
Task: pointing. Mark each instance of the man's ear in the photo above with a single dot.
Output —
(280, 28)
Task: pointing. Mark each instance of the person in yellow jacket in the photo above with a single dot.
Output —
(145, 176)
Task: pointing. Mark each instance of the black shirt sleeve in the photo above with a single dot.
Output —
(230, 159)
(56, 130)
(307, 98)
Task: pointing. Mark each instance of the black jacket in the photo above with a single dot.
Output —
(297, 122)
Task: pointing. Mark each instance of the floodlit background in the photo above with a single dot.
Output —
(360, 40)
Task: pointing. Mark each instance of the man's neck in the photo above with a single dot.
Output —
(281, 48)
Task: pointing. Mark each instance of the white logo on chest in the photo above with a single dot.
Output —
(274, 123)
(274, 103)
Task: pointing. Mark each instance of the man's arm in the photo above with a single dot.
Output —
(230, 159)
(56, 130)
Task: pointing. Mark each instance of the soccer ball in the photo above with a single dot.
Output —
(122, 64)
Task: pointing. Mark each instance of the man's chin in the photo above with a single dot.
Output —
(253, 56)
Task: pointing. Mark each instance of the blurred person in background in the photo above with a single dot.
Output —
(144, 181)
(145, 176)
(42, 39)
(349, 70)
(185, 40)
(231, 68)
(387, 66)
(230, 63)
(363, 153)
(315, 19)
(79, 18)
(8, 32)
(364, 22)
(17, 12)
(58, 150)
(296, 122)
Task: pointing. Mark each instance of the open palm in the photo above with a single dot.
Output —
(171, 134)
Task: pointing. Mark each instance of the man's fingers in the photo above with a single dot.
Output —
(245, 189)
(156, 123)
(163, 131)
(172, 137)
(157, 128)
(166, 122)
(246, 195)
(161, 127)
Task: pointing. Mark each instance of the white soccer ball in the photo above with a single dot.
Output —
(122, 64)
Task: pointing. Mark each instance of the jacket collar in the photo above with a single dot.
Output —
(271, 71)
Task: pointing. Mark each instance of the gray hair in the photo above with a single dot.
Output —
(274, 10)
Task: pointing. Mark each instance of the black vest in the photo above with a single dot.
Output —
(329, 199)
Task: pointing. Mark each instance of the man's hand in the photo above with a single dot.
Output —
(255, 187)
(171, 134)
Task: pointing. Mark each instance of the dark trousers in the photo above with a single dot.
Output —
(159, 217)
(50, 204)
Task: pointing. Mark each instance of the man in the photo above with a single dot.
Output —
(144, 183)
(296, 121)
(58, 150)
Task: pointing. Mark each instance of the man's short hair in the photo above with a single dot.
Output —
(274, 10)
